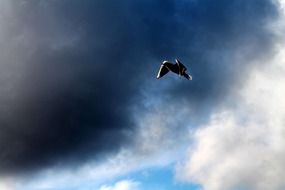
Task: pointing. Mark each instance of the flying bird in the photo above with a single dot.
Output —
(176, 67)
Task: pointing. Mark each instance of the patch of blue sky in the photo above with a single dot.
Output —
(160, 178)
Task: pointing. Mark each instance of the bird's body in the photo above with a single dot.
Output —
(176, 67)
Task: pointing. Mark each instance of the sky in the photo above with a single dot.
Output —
(81, 108)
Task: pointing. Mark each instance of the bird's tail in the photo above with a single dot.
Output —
(189, 77)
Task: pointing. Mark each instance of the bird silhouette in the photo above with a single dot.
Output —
(177, 68)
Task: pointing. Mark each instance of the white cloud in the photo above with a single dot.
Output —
(6, 184)
(122, 185)
(243, 147)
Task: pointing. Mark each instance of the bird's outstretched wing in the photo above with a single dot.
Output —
(181, 67)
(162, 71)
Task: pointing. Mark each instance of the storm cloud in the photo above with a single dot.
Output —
(72, 71)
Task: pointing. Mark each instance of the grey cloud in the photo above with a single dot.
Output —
(71, 71)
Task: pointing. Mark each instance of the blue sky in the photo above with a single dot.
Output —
(158, 178)
(81, 108)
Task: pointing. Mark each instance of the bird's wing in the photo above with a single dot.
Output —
(162, 71)
(182, 68)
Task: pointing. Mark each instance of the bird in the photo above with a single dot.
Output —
(176, 67)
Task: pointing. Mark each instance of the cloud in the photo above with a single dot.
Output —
(242, 145)
(72, 72)
(122, 185)
(156, 144)
(6, 185)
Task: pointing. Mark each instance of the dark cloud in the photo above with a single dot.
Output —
(218, 41)
(72, 70)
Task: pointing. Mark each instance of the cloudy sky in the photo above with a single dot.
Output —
(81, 109)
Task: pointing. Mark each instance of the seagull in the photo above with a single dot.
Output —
(176, 67)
